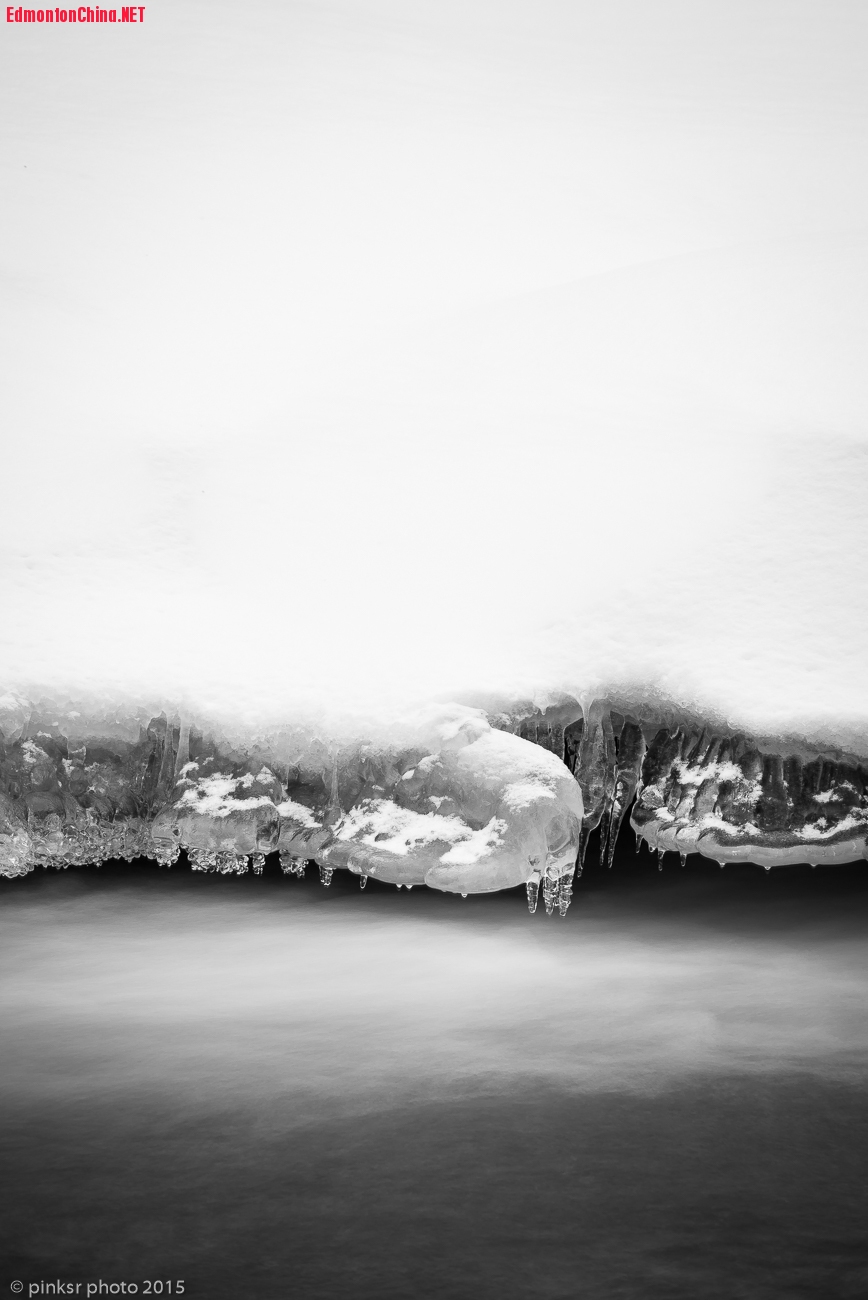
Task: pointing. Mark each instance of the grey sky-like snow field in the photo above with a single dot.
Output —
(366, 351)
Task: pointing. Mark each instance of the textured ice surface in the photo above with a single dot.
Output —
(448, 797)
(731, 800)
(453, 803)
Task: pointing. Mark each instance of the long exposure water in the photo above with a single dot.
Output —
(267, 1089)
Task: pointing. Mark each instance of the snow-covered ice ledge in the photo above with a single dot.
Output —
(451, 797)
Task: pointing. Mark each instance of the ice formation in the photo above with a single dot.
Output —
(408, 418)
(456, 804)
(725, 797)
(455, 799)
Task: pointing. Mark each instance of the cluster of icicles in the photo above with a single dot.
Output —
(459, 801)
(557, 890)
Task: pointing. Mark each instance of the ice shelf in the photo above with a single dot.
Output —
(456, 798)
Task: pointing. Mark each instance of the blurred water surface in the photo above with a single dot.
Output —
(271, 1089)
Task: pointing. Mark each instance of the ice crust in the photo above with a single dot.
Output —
(726, 798)
(453, 797)
(453, 803)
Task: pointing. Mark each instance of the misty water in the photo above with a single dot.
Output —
(271, 1089)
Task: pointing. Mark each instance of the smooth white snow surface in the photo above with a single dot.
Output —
(360, 354)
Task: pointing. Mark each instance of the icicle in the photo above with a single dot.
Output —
(166, 854)
(325, 875)
(616, 817)
(228, 864)
(363, 880)
(638, 842)
(335, 812)
(550, 886)
(203, 860)
(291, 866)
(532, 893)
(683, 857)
(183, 755)
(166, 777)
(258, 863)
(605, 831)
(565, 892)
(660, 855)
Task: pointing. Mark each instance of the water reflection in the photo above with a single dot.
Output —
(199, 1059)
(114, 981)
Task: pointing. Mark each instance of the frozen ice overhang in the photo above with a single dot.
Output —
(506, 379)
(457, 798)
